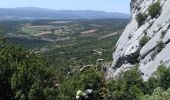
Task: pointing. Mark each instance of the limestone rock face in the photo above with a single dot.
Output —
(157, 30)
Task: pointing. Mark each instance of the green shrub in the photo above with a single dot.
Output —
(161, 78)
(127, 86)
(141, 18)
(154, 9)
(158, 94)
(160, 46)
(151, 84)
(143, 41)
(88, 79)
(163, 74)
(24, 75)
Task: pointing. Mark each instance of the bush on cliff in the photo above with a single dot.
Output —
(154, 9)
(141, 18)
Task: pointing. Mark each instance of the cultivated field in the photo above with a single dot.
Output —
(69, 43)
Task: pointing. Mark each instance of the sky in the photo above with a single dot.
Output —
(101, 5)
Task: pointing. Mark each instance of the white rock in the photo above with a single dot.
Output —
(152, 28)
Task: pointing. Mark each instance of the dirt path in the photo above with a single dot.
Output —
(112, 34)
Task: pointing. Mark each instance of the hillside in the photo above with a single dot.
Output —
(145, 41)
(67, 40)
(68, 53)
(51, 59)
(42, 13)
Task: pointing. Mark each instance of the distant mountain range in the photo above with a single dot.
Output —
(42, 13)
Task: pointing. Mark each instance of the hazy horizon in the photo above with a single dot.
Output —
(121, 6)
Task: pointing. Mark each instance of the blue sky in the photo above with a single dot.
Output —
(103, 5)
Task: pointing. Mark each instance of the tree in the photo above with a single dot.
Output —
(24, 75)
(127, 86)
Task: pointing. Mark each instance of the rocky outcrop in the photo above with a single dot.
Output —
(129, 51)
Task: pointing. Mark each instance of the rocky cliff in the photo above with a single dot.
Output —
(146, 39)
